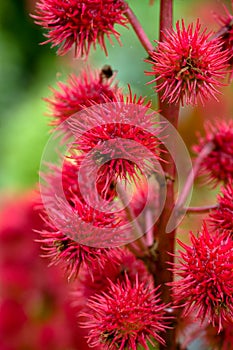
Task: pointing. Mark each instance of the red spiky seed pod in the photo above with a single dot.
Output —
(80, 92)
(225, 34)
(102, 278)
(79, 23)
(205, 287)
(117, 141)
(71, 256)
(125, 316)
(221, 218)
(188, 65)
(217, 166)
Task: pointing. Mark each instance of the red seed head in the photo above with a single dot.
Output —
(222, 217)
(126, 315)
(79, 23)
(79, 92)
(188, 65)
(118, 142)
(102, 278)
(206, 284)
(218, 164)
(225, 34)
(71, 255)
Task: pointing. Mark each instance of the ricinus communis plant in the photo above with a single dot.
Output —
(112, 208)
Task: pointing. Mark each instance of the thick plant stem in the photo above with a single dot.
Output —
(166, 16)
(166, 241)
(139, 31)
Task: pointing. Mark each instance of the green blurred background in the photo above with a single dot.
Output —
(27, 69)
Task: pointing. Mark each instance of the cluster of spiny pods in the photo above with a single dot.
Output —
(121, 304)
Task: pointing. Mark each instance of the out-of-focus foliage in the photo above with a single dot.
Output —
(27, 68)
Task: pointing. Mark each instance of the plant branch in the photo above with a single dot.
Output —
(132, 218)
(192, 175)
(166, 17)
(166, 241)
(223, 31)
(200, 210)
(170, 112)
(139, 31)
(135, 250)
(149, 228)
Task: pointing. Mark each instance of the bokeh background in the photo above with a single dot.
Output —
(27, 69)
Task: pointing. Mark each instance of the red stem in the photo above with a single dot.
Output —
(170, 112)
(200, 210)
(166, 241)
(222, 31)
(192, 175)
(149, 228)
(132, 219)
(166, 17)
(139, 31)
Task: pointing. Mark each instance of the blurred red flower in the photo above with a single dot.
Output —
(35, 305)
